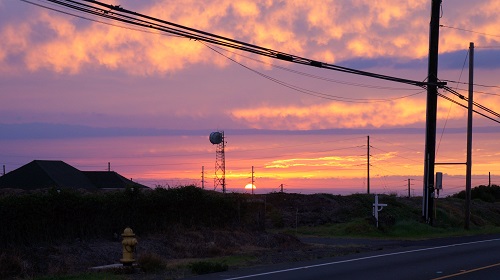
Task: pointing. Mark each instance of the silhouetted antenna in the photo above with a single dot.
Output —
(217, 138)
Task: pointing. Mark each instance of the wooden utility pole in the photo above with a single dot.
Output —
(368, 164)
(202, 177)
(409, 184)
(431, 114)
(468, 175)
(252, 180)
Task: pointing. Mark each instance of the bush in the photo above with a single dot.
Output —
(208, 267)
(150, 263)
(69, 215)
(484, 193)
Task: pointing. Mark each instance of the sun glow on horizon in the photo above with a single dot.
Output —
(250, 186)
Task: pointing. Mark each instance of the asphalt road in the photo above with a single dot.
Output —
(476, 257)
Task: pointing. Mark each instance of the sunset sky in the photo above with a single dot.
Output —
(89, 93)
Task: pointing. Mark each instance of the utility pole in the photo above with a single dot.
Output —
(3, 170)
(109, 166)
(281, 188)
(489, 176)
(252, 180)
(409, 184)
(431, 114)
(469, 138)
(368, 164)
(203, 177)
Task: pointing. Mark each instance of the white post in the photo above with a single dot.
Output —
(377, 207)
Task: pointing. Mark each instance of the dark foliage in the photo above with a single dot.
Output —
(150, 263)
(70, 215)
(208, 267)
(10, 266)
(484, 193)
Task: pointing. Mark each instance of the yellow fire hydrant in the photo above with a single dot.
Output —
(128, 243)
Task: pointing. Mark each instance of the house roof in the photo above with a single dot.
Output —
(110, 180)
(43, 174)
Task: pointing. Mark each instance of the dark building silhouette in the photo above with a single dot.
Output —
(46, 174)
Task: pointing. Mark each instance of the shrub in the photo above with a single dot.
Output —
(485, 193)
(150, 262)
(208, 267)
(69, 215)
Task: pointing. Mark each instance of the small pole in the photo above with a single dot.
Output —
(368, 165)
(203, 177)
(489, 177)
(3, 169)
(281, 186)
(409, 187)
(252, 180)
(109, 166)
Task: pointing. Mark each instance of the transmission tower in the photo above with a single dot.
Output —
(217, 138)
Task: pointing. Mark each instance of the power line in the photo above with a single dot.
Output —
(392, 143)
(311, 92)
(316, 76)
(484, 108)
(118, 13)
(468, 30)
(465, 106)
(396, 155)
(451, 104)
(98, 21)
(478, 85)
(480, 92)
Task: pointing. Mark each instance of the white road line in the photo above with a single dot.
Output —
(360, 259)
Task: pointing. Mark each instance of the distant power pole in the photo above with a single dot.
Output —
(202, 177)
(368, 164)
(109, 166)
(281, 188)
(252, 180)
(409, 194)
(489, 176)
(409, 184)
(3, 170)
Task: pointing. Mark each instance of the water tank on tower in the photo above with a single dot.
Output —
(216, 137)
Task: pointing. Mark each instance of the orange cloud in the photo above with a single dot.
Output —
(329, 161)
(340, 115)
(326, 30)
(246, 8)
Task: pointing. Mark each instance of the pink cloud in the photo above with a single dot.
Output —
(372, 29)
